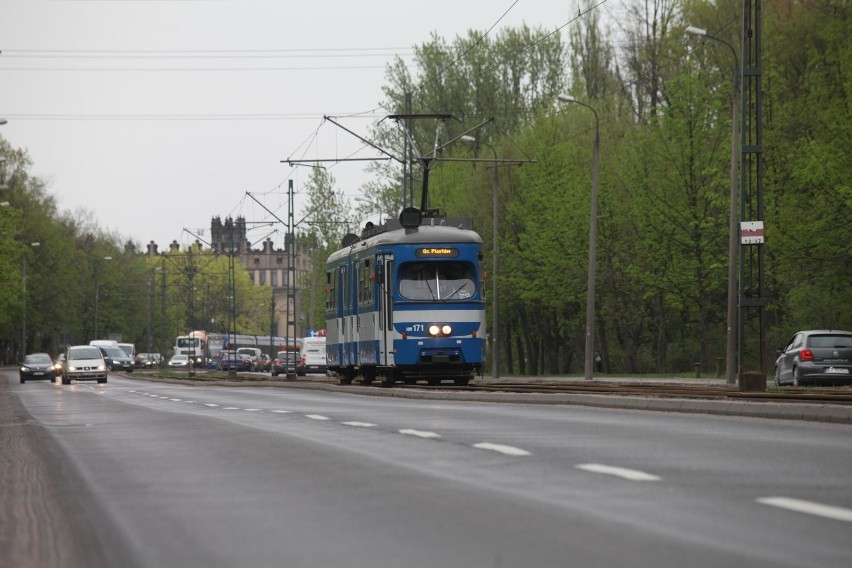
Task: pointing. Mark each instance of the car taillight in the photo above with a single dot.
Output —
(806, 355)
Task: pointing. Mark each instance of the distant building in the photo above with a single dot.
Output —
(266, 266)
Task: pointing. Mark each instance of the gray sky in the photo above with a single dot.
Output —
(156, 115)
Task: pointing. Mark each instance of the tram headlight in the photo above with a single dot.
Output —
(436, 330)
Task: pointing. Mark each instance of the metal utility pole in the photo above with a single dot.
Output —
(291, 276)
(752, 252)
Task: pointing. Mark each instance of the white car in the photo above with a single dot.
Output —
(84, 363)
(179, 361)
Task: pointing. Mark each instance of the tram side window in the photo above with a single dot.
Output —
(365, 295)
(437, 281)
(331, 287)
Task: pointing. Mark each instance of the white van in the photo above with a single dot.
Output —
(130, 349)
(313, 357)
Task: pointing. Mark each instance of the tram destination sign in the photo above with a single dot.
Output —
(437, 252)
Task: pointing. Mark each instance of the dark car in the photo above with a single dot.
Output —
(116, 359)
(284, 362)
(819, 357)
(148, 361)
(37, 366)
(228, 360)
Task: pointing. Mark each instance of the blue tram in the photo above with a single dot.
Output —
(405, 302)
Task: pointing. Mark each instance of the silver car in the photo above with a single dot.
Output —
(819, 356)
(84, 363)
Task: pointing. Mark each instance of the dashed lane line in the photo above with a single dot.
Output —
(506, 450)
(809, 507)
(317, 417)
(419, 433)
(624, 473)
(360, 424)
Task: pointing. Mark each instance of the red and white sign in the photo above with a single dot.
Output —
(751, 232)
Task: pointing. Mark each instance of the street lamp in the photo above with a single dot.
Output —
(593, 235)
(378, 208)
(24, 301)
(97, 291)
(495, 248)
(730, 354)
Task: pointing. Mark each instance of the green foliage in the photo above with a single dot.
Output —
(810, 89)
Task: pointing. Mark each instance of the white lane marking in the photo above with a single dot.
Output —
(174, 399)
(210, 404)
(190, 401)
(419, 433)
(163, 397)
(317, 417)
(359, 424)
(802, 506)
(252, 409)
(507, 450)
(631, 474)
(281, 411)
(230, 408)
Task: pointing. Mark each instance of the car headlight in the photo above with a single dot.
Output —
(24, 369)
(101, 367)
(72, 368)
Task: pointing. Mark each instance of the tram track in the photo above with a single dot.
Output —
(817, 395)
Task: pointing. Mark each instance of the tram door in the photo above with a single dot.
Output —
(386, 310)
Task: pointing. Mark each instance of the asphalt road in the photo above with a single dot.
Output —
(135, 473)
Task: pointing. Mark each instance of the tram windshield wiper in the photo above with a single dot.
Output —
(457, 290)
(431, 291)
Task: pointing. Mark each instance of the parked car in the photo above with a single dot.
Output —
(820, 357)
(265, 363)
(284, 362)
(179, 360)
(84, 363)
(37, 366)
(116, 359)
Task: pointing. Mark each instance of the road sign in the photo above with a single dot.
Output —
(751, 232)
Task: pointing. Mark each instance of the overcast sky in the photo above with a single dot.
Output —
(156, 115)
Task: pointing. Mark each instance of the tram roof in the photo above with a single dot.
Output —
(424, 234)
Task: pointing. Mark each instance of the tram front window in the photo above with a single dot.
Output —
(436, 281)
